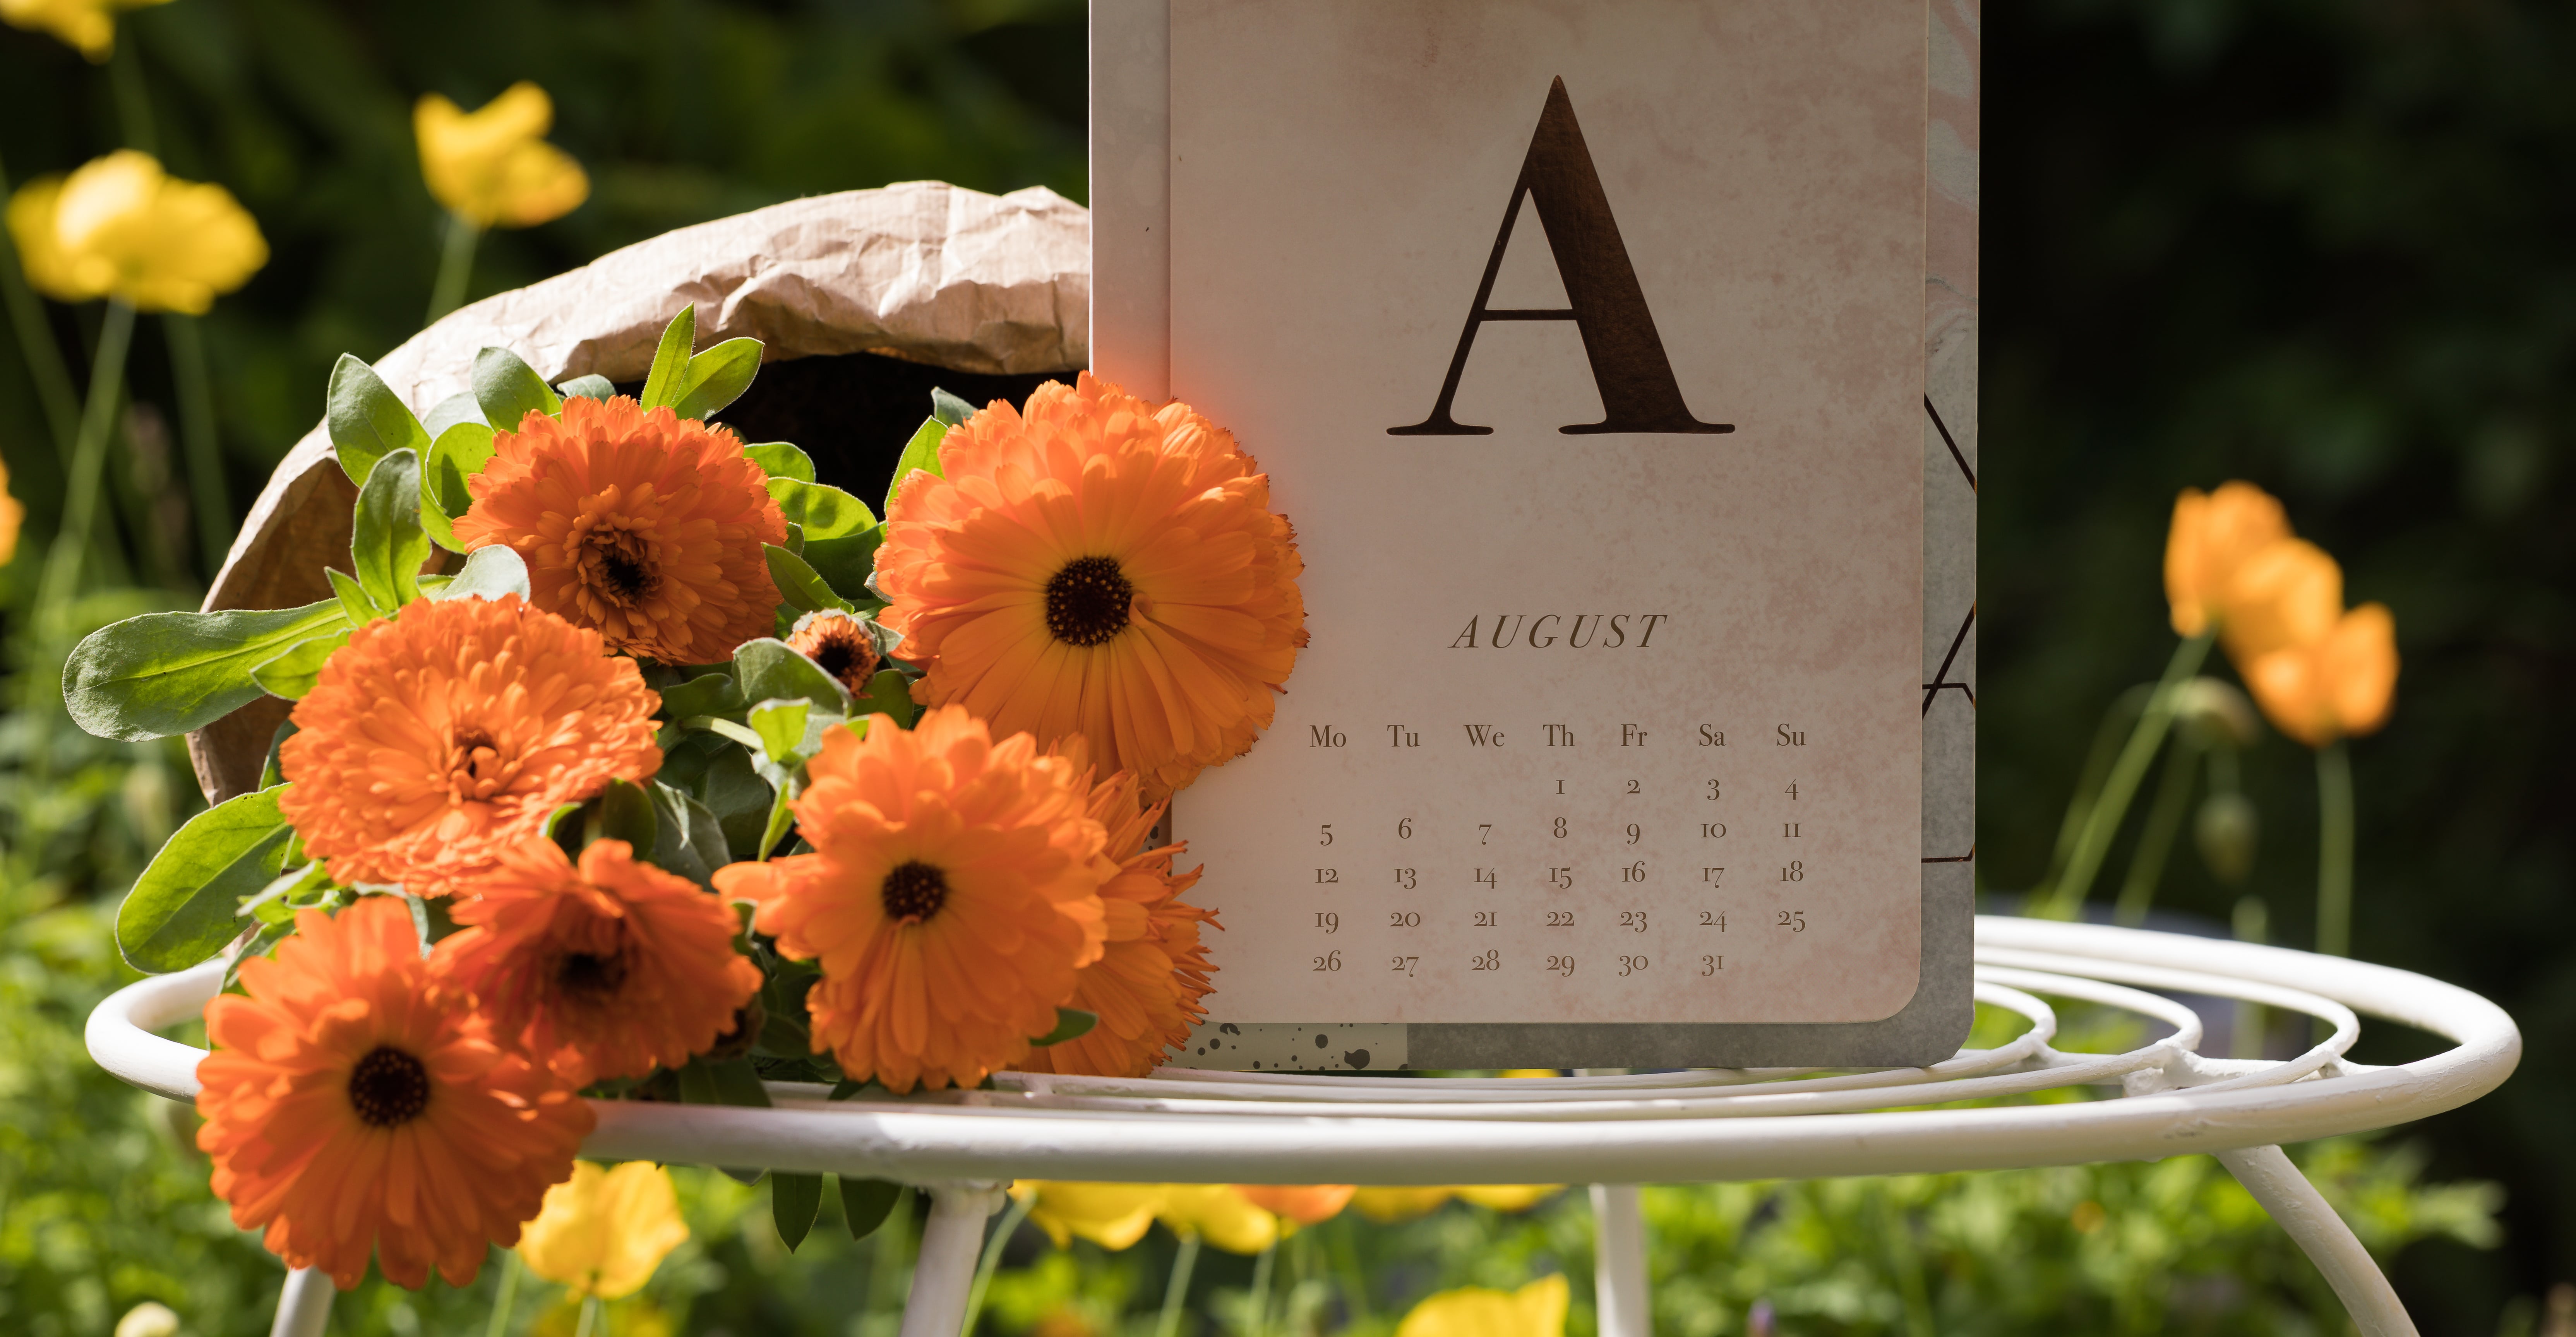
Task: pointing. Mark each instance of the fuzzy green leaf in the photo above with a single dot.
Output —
(716, 378)
(386, 542)
(921, 452)
(489, 573)
(799, 585)
(846, 563)
(355, 603)
(460, 452)
(769, 670)
(448, 412)
(587, 387)
(825, 512)
(291, 675)
(671, 359)
(367, 420)
(949, 409)
(186, 905)
(866, 1203)
(167, 673)
(782, 460)
(706, 694)
(1071, 1023)
(793, 1202)
(509, 389)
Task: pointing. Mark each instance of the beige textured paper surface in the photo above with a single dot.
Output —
(923, 270)
(1339, 168)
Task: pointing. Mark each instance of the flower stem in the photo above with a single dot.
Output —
(1260, 1300)
(1176, 1292)
(36, 344)
(133, 99)
(1346, 1263)
(589, 1325)
(2252, 922)
(2066, 899)
(2334, 849)
(198, 437)
(455, 266)
(61, 580)
(507, 1299)
(992, 1259)
(2155, 840)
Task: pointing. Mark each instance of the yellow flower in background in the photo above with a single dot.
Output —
(1384, 1205)
(88, 26)
(12, 514)
(2213, 534)
(1220, 1215)
(121, 227)
(2288, 594)
(1112, 1216)
(1535, 1310)
(2340, 685)
(603, 1231)
(493, 167)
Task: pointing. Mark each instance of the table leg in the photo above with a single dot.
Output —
(1619, 1262)
(951, 1244)
(304, 1305)
(2299, 1209)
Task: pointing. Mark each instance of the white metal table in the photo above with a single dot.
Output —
(1612, 1131)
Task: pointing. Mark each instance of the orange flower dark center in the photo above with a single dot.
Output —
(617, 567)
(840, 644)
(389, 1087)
(1088, 601)
(913, 892)
(591, 978)
(475, 767)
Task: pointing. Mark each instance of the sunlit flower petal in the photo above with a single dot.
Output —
(119, 227)
(603, 1231)
(493, 166)
(1535, 1310)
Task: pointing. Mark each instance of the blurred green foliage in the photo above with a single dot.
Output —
(2319, 245)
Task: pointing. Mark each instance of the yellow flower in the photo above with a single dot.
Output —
(1220, 1215)
(89, 25)
(1535, 1310)
(1383, 1205)
(602, 1232)
(11, 514)
(1112, 1216)
(2213, 534)
(120, 227)
(493, 167)
(2337, 686)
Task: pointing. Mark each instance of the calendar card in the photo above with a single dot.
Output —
(1584, 342)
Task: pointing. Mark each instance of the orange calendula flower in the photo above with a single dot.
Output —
(1098, 567)
(640, 523)
(603, 970)
(1153, 971)
(439, 737)
(953, 891)
(350, 1107)
(2213, 534)
(840, 644)
(2338, 686)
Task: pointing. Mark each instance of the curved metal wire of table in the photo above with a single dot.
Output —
(1614, 1131)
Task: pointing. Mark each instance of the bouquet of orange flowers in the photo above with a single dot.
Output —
(630, 761)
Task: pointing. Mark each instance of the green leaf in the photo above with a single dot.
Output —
(509, 389)
(717, 377)
(671, 359)
(448, 412)
(740, 800)
(1071, 1023)
(866, 1203)
(846, 563)
(355, 603)
(768, 669)
(782, 460)
(167, 673)
(825, 512)
(459, 453)
(593, 386)
(272, 772)
(686, 837)
(367, 421)
(184, 907)
(949, 409)
(625, 813)
(793, 1201)
(737, 1083)
(386, 542)
(292, 674)
(489, 573)
(781, 728)
(921, 452)
(799, 585)
(890, 693)
(706, 694)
